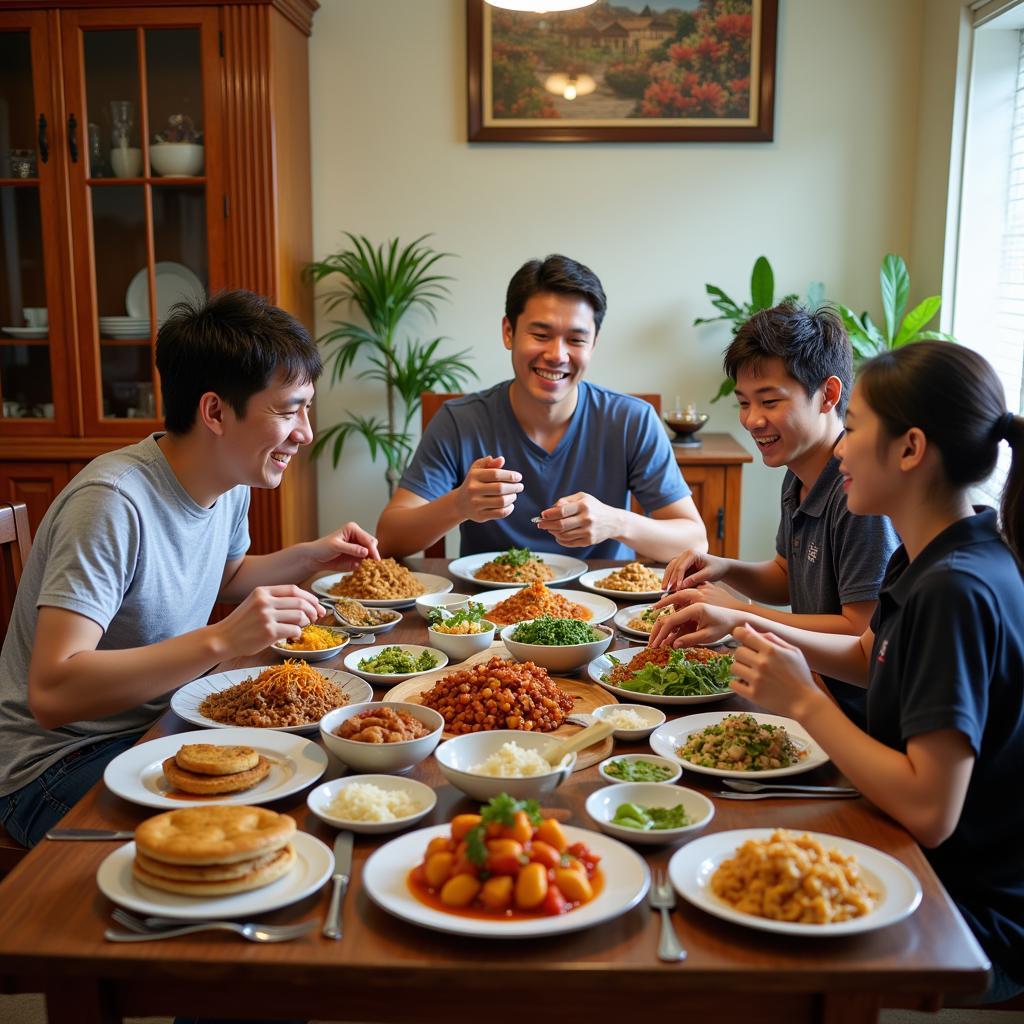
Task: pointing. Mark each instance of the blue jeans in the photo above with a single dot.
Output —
(28, 813)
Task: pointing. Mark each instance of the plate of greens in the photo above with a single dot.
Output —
(394, 662)
(690, 675)
(517, 567)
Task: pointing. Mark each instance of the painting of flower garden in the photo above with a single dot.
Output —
(627, 64)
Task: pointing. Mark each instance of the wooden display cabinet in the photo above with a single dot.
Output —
(103, 230)
(714, 472)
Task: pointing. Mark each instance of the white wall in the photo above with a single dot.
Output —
(825, 201)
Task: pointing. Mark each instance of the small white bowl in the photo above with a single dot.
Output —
(321, 798)
(663, 762)
(321, 655)
(561, 658)
(381, 757)
(603, 803)
(450, 602)
(353, 658)
(652, 716)
(351, 627)
(460, 646)
(457, 756)
(176, 159)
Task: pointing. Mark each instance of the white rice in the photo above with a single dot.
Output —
(512, 761)
(363, 801)
(623, 718)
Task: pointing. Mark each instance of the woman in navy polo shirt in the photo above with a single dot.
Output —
(944, 657)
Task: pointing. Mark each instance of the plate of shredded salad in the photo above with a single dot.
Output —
(664, 675)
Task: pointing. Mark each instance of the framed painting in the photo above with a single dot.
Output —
(623, 70)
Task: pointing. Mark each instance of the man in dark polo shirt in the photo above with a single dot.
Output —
(793, 370)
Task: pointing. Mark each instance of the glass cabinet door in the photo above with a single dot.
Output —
(35, 386)
(143, 190)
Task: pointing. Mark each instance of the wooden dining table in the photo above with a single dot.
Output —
(384, 969)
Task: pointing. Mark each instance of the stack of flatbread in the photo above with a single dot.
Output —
(209, 769)
(214, 851)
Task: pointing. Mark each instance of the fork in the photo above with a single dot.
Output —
(663, 897)
(143, 930)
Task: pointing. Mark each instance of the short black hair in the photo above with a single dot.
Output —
(812, 344)
(232, 344)
(557, 274)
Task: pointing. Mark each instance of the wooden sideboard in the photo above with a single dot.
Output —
(714, 471)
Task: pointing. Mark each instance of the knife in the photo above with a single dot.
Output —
(342, 869)
(88, 833)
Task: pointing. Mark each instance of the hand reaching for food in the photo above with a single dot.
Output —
(580, 520)
(267, 615)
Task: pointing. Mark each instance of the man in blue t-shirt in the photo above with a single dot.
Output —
(546, 461)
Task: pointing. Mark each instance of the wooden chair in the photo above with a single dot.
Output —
(15, 541)
(432, 401)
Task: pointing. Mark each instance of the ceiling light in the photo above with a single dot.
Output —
(541, 6)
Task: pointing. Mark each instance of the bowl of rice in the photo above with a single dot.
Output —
(559, 645)
(632, 722)
(484, 764)
(371, 803)
(378, 730)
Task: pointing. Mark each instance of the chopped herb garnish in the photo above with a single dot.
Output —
(516, 557)
(501, 810)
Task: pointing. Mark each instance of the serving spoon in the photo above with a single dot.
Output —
(558, 751)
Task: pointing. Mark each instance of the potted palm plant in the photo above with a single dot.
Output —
(385, 283)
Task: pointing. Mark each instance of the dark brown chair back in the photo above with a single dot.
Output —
(15, 542)
(432, 401)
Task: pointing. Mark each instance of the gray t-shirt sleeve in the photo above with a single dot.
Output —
(655, 479)
(435, 469)
(94, 550)
(239, 543)
(862, 547)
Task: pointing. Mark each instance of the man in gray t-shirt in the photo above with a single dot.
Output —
(112, 609)
(793, 372)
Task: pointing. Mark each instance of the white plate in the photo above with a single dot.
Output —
(601, 608)
(624, 615)
(186, 700)
(599, 666)
(566, 569)
(692, 866)
(352, 660)
(137, 775)
(590, 581)
(174, 282)
(26, 332)
(667, 737)
(626, 879)
(431, 585)
(314, 864)
(321, 798)
(311, 656)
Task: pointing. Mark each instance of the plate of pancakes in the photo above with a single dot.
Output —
(196, 863)
(225, 766)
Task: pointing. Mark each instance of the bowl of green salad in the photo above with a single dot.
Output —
(394, 663)
(639, 768)
(649, 813)
(559, 645)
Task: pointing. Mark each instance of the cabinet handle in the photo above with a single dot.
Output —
(44, 145)
(720, 522)
(73, 137)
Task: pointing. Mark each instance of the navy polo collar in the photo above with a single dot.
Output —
(817, 500)
(981, 528)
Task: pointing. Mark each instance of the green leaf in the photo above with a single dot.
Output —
(936, 336)
(709, 319)
(895, 289)
(815, 295)
(762, 285)
(727, 387)
(916, 319)
(723, 302)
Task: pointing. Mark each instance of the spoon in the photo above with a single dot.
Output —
(558, 751)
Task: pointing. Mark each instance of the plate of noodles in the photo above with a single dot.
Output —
(504, 607)
(381, 584)
(291, 697)
(517, 567)
(856, 887)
